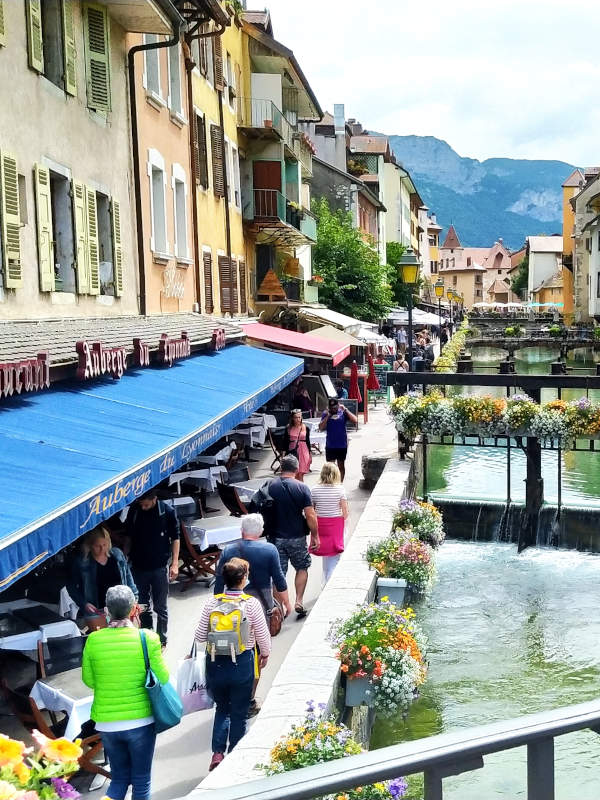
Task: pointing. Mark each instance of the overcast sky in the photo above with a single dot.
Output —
(516, 78)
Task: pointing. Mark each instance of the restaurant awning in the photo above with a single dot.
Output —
(336, 335)
(329, 317)
(74, 455)
(300, 343)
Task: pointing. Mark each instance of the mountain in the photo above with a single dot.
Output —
(499, 197)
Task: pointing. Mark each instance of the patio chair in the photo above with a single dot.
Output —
(231, 500)
(238, 475)
(29, 714)
(275, 440)
(59, 655)
(196, 564)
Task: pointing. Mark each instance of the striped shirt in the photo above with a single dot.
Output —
(259, 632)
(327, 499)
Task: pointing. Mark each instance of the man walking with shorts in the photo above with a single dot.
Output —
(336, 444)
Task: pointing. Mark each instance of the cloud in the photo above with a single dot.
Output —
(512, 78)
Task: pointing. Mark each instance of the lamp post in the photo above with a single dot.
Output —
(409, 269)
(439, 293)
(450, 295)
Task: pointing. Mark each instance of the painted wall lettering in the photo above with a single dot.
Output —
(141, 353)
(218, 339)
(99, 360)
(170, 350)
(30, 375)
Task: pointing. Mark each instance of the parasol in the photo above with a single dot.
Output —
(354, 391)
(372, 381)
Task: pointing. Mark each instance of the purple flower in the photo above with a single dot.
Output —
(583, 404)
(63, 789)
(398, 787)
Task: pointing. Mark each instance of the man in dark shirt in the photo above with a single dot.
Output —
(334, 422)
(153, 532)
(295, 518)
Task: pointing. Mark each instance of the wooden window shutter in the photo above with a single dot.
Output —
(197, 121)
(117, 247)
(209, 305)
(10, 217)
(227, 275)
(218, 61)
(81, 237)
(35, 44)
(218, 163)
(92, 241)
(97, 57)
(70, 49)
(242, 273)
(202, 152)
(2, 29)
(43, 203)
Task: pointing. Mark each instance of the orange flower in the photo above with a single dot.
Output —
(364, 649)
(344, 667)
(11, 751)
(62, 750)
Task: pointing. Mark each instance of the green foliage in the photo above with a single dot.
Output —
(597, 333)
(520, 282)
(400, 290)
(354, 282)
(555, 331)
(513, 331)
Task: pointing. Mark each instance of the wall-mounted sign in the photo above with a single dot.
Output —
(99, 360)
(30, 375)
(171, 350)
(141, 353)
(218, 339)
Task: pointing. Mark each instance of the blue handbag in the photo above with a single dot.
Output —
(167, 708)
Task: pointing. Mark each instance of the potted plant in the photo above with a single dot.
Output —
(422, 519)
(402, 561)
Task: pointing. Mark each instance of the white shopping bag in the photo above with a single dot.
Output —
(191, 683)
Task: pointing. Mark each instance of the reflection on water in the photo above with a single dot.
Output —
(481, 473)
(509, 635)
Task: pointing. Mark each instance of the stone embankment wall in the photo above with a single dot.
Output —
(310, 670)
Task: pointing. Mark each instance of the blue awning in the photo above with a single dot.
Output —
(73, 456)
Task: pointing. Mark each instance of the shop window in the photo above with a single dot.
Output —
(152, 70)
(64, 238)
(105, 245)
(175, 81)
(180, 208)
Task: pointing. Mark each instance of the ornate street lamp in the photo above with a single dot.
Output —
(409, 266)
(450, 295)
(439, 293)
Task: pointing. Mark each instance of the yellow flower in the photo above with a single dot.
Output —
(7, 790)
(62, 750)
(379, 786)
(22, 772)
(11, 751)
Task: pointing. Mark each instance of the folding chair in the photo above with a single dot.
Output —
(197, 564)
(231, 500)
(238, 475)
(275, 437)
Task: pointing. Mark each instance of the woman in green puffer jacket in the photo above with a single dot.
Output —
(113, 666)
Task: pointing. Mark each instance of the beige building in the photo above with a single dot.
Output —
(68, 239)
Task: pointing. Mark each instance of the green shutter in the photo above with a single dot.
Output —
(117, 247)
(34, 34)
(2, 30)
(81, 244)
(69, 48)
(97, 57)
(11, 221)
(92, 241)
(43, 202)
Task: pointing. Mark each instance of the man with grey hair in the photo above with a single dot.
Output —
(294, 520)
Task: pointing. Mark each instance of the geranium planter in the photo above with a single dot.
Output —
(359, 691)
(392, 588)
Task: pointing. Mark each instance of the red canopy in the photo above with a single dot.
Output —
(354, 391)
(372, 380)
(291, 340)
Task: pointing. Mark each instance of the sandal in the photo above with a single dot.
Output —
(300, 611)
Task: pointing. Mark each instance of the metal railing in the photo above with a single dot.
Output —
(438, 757)
(266, 203)
(264, 115)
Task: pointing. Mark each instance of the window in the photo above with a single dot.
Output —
(227, 161)
(180, 209)
(200, 153)
(235, 173)
(152, 66)
(598, 285)
(469, 261)
(51, 41)
(202, 53)
(454, 280)
(499, 272)
(11, 217)
(157, 176)
(228, 285)
(175, 81)
(478, 293)
(97, 57)
(230, 87)
(64, 238)
(105, 245)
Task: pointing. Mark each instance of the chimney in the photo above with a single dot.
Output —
(433, 218)
(339, 120)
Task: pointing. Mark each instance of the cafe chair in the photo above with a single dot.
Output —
(275, 436)
(231, 500)
(59, 655)
(196, 564)
(28, 713)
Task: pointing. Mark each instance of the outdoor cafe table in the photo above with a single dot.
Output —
(203, 478)
(208, 532)
(26, 640)
(66, 692)
(246, 489)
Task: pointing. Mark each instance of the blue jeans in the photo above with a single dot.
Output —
(155, 582)
(130, 757)
(231, 687)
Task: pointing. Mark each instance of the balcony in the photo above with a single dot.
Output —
(304, 154)
(285, 222)
(262, 119)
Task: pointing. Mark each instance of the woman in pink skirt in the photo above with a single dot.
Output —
(297, 443)
(331, 507)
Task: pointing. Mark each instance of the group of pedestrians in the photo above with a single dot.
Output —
(250, 583)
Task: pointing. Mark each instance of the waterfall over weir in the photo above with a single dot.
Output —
(577, 528)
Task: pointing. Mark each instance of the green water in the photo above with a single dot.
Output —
(470, 472)
(509, 635)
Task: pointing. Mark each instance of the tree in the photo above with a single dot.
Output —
(521, 280)
(400, 290)
(353, 280)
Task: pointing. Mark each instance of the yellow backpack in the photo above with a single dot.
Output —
(228, 627)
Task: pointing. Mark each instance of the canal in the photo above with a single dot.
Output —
(509, 635)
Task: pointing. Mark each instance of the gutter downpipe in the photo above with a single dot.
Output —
(189, 66)
(178, 22)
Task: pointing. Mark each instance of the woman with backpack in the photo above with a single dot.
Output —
(232, 624)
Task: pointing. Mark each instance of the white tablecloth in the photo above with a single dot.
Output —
(255, 435)
(208, 532)
(65, 692)
(203, 478)
(222, 457)
(28, 641)
(266, 420)
(246, 489)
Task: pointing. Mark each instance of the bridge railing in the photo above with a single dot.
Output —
(438, 757)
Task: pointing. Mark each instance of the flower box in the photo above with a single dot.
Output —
(359, 691)
(392, 588)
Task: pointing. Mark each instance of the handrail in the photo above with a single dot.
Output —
(437, 756)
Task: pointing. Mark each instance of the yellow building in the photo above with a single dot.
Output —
(570, 187)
